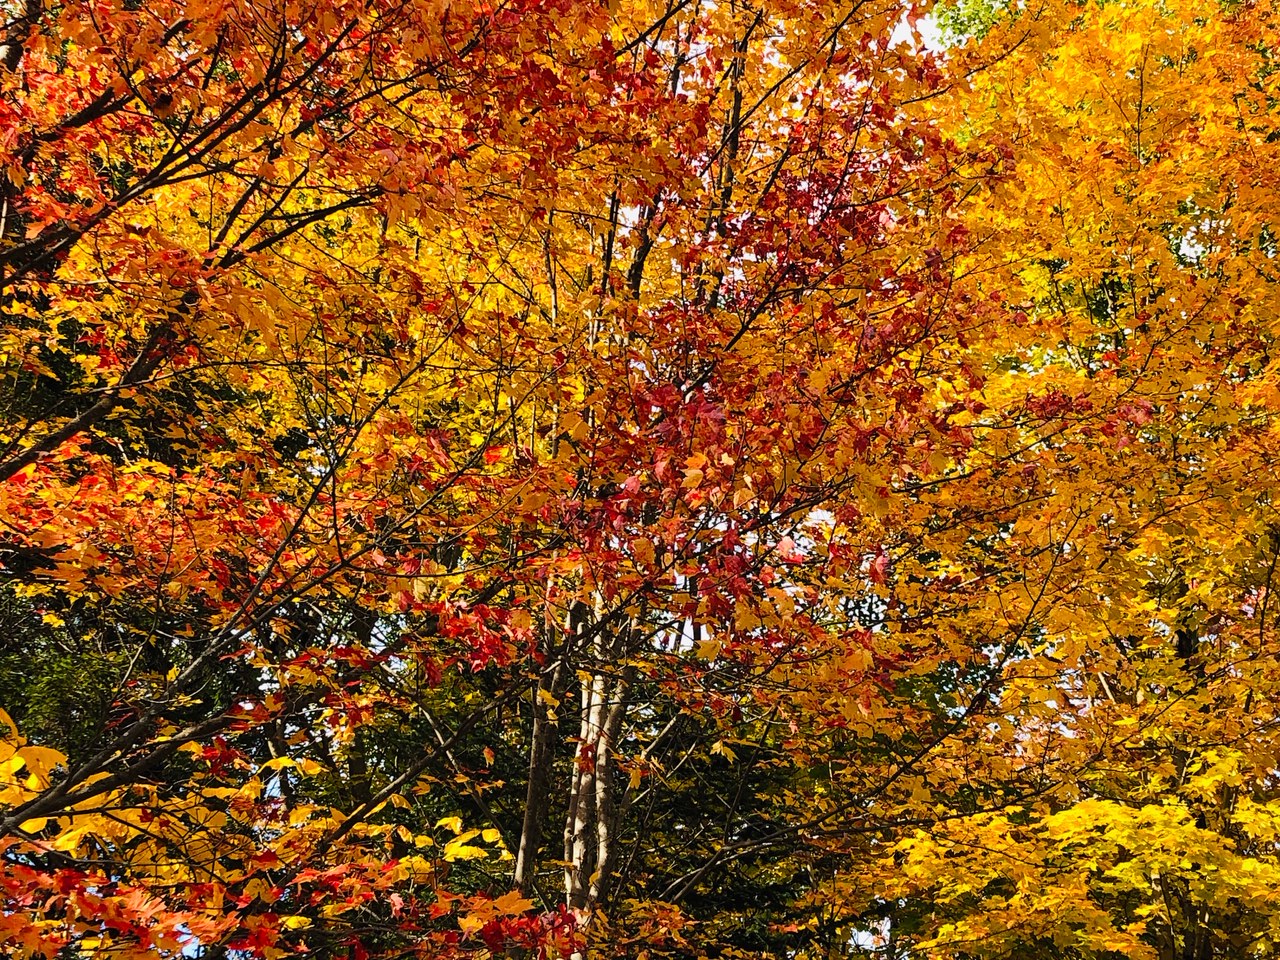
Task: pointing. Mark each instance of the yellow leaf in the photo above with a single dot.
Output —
(708, 649)
(546, 697)
(721, 748)
(40, 761)
(513, 903)
(456, 850)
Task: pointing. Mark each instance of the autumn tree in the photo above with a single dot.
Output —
(1130, 389)
(667, 478)
(386, 380)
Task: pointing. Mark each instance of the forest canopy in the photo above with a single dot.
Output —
(651, 479)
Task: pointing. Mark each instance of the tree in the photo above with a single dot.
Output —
(1134, 237)
(668, 479)
(352, 349)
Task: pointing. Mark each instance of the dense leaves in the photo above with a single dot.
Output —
(648, 479)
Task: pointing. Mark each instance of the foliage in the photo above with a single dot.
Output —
(648, 479)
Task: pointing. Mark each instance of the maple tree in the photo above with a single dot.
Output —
(1133, 243)
(664, 478)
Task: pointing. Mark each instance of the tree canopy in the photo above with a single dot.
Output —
(656, 479)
